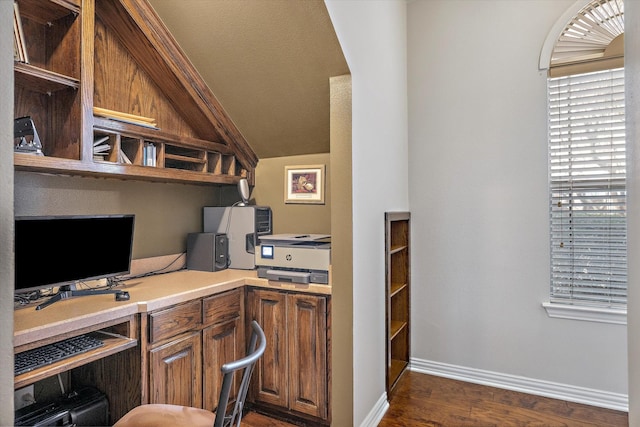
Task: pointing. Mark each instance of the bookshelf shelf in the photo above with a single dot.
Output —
(397, 289)
(41, 80)
(45, 12)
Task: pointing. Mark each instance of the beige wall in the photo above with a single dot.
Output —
(292, 218)
(342, 254)
(6, 215)
(165, 213)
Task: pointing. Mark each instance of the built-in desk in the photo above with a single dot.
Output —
(67, 317)
(118, 368)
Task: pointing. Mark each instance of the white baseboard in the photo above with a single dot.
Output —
(376, 414)
(587, 396)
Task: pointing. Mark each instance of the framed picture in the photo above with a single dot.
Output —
(304, 184)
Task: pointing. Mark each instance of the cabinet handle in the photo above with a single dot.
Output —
(277, 348)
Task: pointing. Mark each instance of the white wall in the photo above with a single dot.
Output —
(478, 185)
(6, 214)
(632, 83)
(373, 38)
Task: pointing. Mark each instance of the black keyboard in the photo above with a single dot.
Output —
(51, 353)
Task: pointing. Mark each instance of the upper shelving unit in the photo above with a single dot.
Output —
(117, 55)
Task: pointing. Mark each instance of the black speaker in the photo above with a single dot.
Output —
(207, 251)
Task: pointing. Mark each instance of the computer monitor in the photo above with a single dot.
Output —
(62, 250)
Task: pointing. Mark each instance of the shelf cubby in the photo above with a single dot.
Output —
(177, 157)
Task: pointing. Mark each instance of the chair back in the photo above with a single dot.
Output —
(255, 350)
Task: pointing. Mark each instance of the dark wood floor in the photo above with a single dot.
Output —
(253, 419)
(426, 401)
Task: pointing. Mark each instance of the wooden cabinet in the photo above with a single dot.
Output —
(397, 295)
(223, 341)
(188, 343)
(175, 358)
(175, 374)
(292, 375)
(88, 57)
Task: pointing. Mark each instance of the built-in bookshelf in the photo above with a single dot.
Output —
(111, 94)
(397, 295)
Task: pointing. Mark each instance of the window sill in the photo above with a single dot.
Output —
(591, 314)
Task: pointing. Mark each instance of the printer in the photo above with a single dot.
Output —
(298, 258)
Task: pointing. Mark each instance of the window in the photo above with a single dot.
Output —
(587, 168)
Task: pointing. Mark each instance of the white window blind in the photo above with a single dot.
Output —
(587, 172)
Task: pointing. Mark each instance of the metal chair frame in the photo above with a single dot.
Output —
(229, 369)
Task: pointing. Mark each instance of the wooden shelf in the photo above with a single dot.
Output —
(112, 344)
(395, 327)
(100, 123)
(397, 289)
(185, 159)
(43, 81)
(396, 368)
(396, 249)
(31, 163)
(46, 12)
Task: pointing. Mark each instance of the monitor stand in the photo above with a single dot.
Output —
(70, 291)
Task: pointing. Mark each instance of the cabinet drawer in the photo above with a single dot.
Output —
(222, 308)
(175, 320)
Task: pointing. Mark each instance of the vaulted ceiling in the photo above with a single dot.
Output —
(268, 62)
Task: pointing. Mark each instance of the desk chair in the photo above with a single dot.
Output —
(158, 415)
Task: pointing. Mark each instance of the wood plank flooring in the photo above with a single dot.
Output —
(427, 401)
(254, 419)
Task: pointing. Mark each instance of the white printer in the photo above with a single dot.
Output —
(299, 258)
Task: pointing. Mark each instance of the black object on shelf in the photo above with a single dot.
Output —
(85, 407)
(24, 131)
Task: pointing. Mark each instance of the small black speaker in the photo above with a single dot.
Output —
(207, 251)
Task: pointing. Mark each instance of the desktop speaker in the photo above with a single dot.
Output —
(207, 251)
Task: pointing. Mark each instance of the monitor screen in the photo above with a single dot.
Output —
(59, 250)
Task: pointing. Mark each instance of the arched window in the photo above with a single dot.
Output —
(587, 163)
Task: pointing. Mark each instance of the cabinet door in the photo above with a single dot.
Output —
(221, 344)
(307, 337)
(175, 375)
(269, 381)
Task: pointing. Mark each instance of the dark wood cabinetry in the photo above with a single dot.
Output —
(292, 376)
(118, 56)
(222, 342)
(188, 343)
(168, 342)
(397, 295)
(175, 371)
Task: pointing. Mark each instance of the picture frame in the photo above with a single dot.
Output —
(304, 184)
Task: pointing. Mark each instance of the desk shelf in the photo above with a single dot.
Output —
(114, 342)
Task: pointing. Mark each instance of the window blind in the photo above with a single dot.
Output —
(587, 174)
